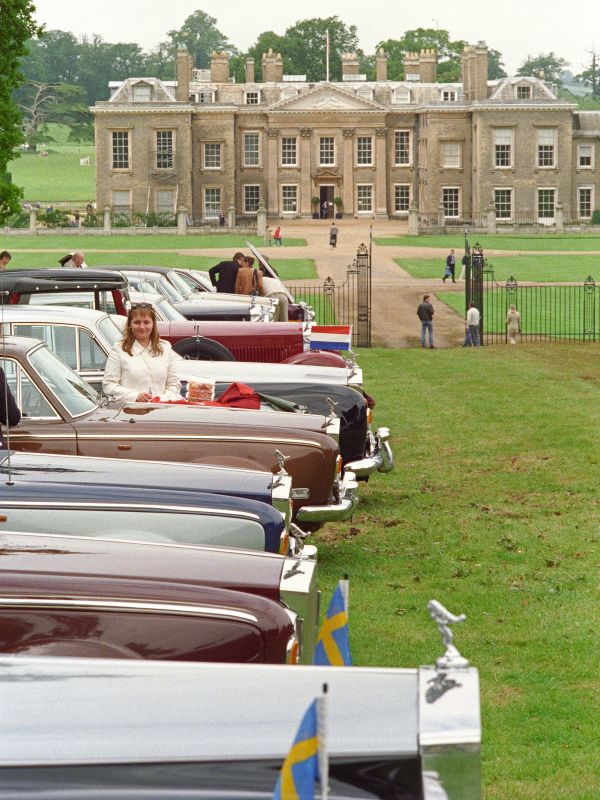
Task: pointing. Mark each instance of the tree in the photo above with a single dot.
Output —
(200, 35)
(268, 40)
(63, 103)
(53, 58)
(18, 26)
(591, 76)
(304, 46)
(546, 65)
(495, 65)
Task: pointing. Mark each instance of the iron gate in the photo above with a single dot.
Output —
(346, 303)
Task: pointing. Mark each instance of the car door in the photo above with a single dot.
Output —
(42, 428)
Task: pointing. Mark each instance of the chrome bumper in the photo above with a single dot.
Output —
(380, 457)
(338, 511)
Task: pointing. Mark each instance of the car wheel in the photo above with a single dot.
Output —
(200, 349)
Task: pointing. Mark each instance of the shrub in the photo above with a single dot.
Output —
(92, 220)
(596, 217)
(55, 218)
(122, 221)
(19, 220)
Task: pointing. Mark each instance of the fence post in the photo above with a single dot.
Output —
(559, 217)
(413, 219)
(261, 220)
(33, 220)
(363, 316)
(491, 220)
(231, 216)
(441, 215)
(181, 221)
(107, 221)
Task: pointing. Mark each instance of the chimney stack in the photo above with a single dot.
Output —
(219, 67)
(428, 66)
(250, 70)
(184, 74)
(474, 72)
(381, 65)
(411, 66)
(272, 67)
(349, 64)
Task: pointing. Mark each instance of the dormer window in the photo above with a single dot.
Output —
(205, 98)
(142, 93)
(402, 95)
(523, 92)
(448, 96)
(252, 98)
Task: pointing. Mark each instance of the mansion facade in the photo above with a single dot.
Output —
(377, 148)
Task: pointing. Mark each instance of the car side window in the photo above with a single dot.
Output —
(91, 355)
(61, 339)
(30, 400)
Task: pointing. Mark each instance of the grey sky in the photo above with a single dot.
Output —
(515, 27)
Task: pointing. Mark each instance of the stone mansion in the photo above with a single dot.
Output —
(208, 145)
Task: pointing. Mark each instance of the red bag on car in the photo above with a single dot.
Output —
(238, 395)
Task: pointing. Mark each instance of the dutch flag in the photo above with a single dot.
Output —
(331, 337)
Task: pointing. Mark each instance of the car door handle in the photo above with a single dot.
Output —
(123, 447)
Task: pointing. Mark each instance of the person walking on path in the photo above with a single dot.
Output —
(277, 237)
(513, 324)
(333, 234)
(223, 274)
(73, 260)
(472, 338)
(449, 272)
(425, 314)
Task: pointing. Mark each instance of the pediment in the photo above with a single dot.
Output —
(327, 97)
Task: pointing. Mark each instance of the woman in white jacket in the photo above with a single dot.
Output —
(141, 366)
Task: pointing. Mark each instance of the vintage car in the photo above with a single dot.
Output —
(108, 291)
(224, 730)
(83, 337)
(63, 414)
(191, 281)
(72, 595)
(69, 474)
(201, 306)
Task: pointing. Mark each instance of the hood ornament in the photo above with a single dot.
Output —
(331, 406)
(451, 659)
(281, 459)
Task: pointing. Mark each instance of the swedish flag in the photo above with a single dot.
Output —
(333, 647)
(300, 769)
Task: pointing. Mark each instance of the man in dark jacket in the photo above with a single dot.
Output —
(9, 411)
(425, 314)
(223, 274)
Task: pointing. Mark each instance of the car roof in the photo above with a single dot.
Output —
(28, 281)
(51, 313)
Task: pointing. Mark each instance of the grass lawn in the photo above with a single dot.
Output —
(493, 509)
(525, 267)
(148, 242)
(541, 241)
(59, 176)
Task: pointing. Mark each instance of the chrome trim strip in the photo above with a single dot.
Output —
(66, 504)
(139, 606)
(217, 437)
(30, 437)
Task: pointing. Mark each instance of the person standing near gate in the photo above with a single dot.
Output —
(425, 314)
(333, 234)
(513, 324)
(449, 272)
(473, 319)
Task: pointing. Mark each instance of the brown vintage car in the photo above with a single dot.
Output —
(71, 596)
(62, 414)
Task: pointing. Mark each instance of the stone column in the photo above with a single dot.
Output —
(559, 217)
(441, 215)
(273, 168)
(261, 220)
(231, 216)
(107, 226)
(413, 219)
(33, 220)
(380, 172)
(348, 173)
(491, 220)
(181, 221)
(305, 172)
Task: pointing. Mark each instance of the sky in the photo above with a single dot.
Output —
(517, 28)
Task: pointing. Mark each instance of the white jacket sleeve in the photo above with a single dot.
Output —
(111, 382)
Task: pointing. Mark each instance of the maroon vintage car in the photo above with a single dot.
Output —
(70, 596)
(280, 342)
(63, 414)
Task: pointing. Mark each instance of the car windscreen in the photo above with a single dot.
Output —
(110, 330)
(74, 393)
(181, 284)
(168, 312)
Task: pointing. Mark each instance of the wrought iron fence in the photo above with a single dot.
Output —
(549, 312)
(344, 303)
